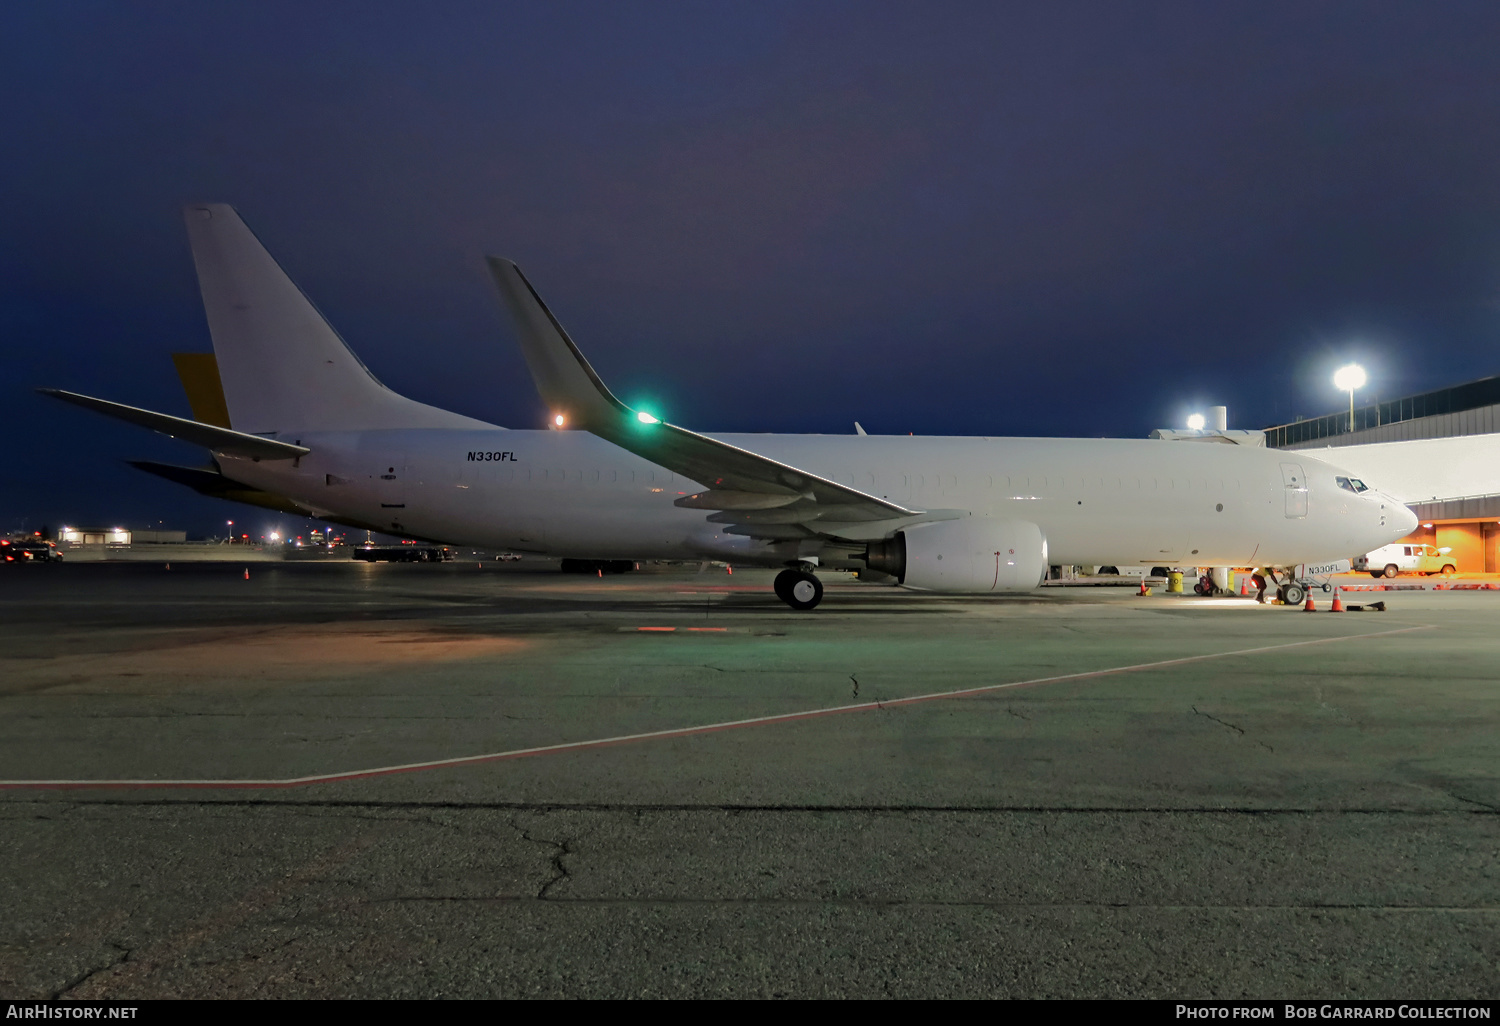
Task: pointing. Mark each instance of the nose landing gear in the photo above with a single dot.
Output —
(799, 589)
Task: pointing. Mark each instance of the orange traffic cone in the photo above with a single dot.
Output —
(601, 572)
(1144, 590)
(1309, 608)
(729, 570)
(247, 573)
(1245, 586)
(1338, 605)
(169, 566)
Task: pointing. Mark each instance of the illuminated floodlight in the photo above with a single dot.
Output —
(646, 418)
(1349, 377)
(1196, 422)
(559, 420)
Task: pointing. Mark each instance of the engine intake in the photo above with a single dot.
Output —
(975, 555)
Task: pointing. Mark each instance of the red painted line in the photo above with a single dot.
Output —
(656, 628)
(662, 735)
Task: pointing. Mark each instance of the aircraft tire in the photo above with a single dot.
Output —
(1293, 595)
(799, 589)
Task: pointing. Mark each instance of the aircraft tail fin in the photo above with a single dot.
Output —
(282, 366)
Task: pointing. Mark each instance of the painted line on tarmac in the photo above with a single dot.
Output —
(661, 735)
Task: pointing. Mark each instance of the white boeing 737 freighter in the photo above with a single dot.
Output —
(310, 429)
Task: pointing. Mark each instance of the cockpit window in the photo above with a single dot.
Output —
(1351, 484)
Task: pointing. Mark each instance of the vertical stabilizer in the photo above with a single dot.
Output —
(281, 365)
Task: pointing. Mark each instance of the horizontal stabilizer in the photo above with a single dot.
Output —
(225, 440)
(208, 481)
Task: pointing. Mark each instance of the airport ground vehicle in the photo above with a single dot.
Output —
(29, 550)
(1390, 560)
(402, 554)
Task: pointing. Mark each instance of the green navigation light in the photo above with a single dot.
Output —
(646, 418)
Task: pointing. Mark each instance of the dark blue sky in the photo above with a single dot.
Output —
(1049, 219)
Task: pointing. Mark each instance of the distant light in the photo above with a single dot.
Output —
(1196, 422)
(646, 418)
(1349, 377)
(558, 420)
(1426, 525)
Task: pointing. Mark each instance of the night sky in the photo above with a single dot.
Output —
(990, 218)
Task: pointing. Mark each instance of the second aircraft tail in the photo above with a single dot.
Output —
(282, 366)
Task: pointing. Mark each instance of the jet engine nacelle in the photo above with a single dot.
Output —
(975, 555)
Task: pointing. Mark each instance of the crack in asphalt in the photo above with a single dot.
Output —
(84, 977)
(560, 873)
(1225, 723)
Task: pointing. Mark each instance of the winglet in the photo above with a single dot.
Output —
(564, 378)
(569, 385)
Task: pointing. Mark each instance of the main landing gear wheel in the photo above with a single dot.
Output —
(1293, 594)
(799, 589)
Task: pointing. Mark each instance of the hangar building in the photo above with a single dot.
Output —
(1463, 513)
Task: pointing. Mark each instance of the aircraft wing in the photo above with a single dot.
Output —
(219, 439)
(759, 496)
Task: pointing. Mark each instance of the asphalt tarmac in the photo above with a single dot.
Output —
(371, 781)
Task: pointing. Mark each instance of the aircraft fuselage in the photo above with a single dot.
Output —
(1097, 501)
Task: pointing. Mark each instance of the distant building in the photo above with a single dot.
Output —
(1458, 499)
(116, 536)
(1470, 409)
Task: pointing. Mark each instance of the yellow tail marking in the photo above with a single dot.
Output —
(199, 373)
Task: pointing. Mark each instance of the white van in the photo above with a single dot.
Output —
(1390, 560)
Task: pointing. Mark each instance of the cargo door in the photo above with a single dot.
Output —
(1294, 482)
